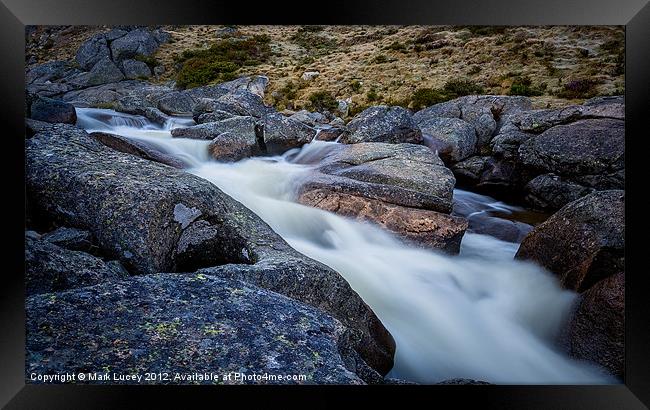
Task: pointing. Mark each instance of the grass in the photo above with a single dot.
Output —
(221, 61)
(524, 86)
(426, 97)
(311, 39)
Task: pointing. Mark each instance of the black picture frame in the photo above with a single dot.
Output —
(15, 14)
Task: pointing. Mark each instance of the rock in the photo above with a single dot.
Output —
(51, 268)
(241, 126)
(134, 95)
(255, 84)
(134, 69)
(471, 169)
(455, 138)
(538, 121)
(551, 192)
(176, 103)
(104, 71)
(506, 145)
(53, 111)
(114, 34)
(214, 116)
(585, 147)
(231, 147)
(283, 133)
(403, 187)
(583, 242)
(155, 115)
(138, 148)
(186, 324)
(310, 118)
(327, 133)
(49, 72)
(136, 42)
(244, 102)
(422, 227)
(70, 238)
(309, 75)
(485, 113)
(92, 51)
(597, 330)
(137, 211)
(383, 124)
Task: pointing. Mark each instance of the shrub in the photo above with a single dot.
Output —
(523, 86)
(372, 95)
(148, 60)
(309, 38)
(581, 88)
(323, 100)
(397, 46)
(486, 30)
(459, 88)
(426, 97)
(379, 59)
(611, 46)
(220, 62)
(355, 85)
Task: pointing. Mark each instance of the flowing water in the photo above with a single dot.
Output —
(480, 314)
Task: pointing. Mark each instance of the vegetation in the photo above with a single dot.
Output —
(524, 86)
(355, 85)
(426, 97)
(323, 101)
(379, 59)
(311, 39)
(458, 88)
(580, 88)
(151, 61)
(221, 61)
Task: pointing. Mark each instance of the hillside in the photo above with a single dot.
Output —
(369, 65)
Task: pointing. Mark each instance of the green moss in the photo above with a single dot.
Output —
(372, 95)
(148, 60)
(221, 61)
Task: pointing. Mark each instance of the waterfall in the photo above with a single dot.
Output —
(480, 314)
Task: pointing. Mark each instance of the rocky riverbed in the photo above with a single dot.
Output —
(201, 230)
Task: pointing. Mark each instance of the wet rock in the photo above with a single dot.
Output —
(49, 268)
(551, 192)
(184, 324)
(92, 51)
(104, 71)
(585, 147)
(70, 238)
(597, 330)
(134, 43)
(133, 209)
(456, 138)
(506, 145)
(138, 148)
(52, 111)
(403, 187)
(176, 103)
(383, 124)
(282, 133)
(134, 69)
(232, 147)
(421, 227)
(583, 242)
(471, 169)
(241, 126)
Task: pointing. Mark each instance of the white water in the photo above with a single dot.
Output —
(480, 315)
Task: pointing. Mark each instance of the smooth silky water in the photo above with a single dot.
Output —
(479, 315)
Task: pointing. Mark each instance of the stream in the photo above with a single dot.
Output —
(478, 315)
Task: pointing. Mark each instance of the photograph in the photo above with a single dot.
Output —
(325, 204)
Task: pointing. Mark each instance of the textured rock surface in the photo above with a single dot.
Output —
(583, 242)
(241, 126)
(403, 187)
(282, 133)
(383, 124)
(138, 148)
(70, 238)
(134, 69)
(454, 139)
(597, 331)
(50, 268)
(183, 324)
(550, 191)
(53, 111)
(134, 208)
(230, 147)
